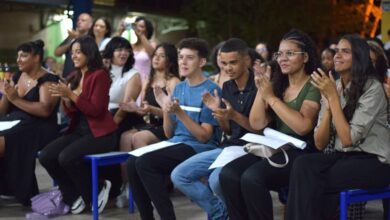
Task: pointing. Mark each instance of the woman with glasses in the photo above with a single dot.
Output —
(288, 102)
(353, 120)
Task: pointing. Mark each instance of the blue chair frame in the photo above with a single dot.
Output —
(104, 160)
(361, 195)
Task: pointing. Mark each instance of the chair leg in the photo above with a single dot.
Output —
(343, 206)
(386, 209)
(130, 202)
(95, 184)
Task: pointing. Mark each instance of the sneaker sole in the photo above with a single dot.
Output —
(104, 201)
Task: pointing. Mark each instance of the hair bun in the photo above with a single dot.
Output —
(39, 43)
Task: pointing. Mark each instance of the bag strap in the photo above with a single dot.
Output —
(276, 164)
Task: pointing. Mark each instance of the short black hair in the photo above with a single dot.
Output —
(148, 25)
(33, 47)
(235, 45)
(116, 43)
(197, 44)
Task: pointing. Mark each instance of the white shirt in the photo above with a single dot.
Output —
(118, 85)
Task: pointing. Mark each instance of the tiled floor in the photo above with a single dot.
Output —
(185, 209)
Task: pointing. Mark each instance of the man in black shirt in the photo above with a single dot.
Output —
(84, 23)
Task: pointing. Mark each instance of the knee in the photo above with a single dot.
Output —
(65, 161)
(214, 181)
(130, 166)
(301, 165)
(251, 181)
(45, 158)
(178, 177)
(229, 177)
(137, 140)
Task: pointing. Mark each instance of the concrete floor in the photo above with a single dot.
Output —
(185, 209)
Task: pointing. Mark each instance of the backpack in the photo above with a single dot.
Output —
(48, 204)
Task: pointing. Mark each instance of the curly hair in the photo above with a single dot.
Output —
(33, 47)
(305, 43)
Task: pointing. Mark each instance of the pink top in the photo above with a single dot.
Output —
(142, 64)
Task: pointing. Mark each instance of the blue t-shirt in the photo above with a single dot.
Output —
(190, 99)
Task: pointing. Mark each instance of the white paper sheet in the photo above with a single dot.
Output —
(274, 139)
(227, 155)
(4, 125)
(152, 147)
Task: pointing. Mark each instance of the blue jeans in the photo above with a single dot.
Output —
(187, 178)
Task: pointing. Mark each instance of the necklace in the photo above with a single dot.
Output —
(28, 83)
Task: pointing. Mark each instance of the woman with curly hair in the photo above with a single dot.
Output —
(289, 102)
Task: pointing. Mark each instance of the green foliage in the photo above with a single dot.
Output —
(268, 20)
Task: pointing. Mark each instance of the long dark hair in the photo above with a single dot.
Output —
(171, 56)
(148, 26)
(381, 65)
(33, 47)
(362, 70)
(305, 43)
(94, 61)
(108, 27)
(116, 43)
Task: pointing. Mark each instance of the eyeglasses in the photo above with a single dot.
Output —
(288, 53)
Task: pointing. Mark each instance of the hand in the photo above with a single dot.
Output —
(224, 114)
(60, 89)
(265, 87)
(10, 91)
(73, 34)
(172, 106)
(212, 102)
(145, 109)
(130, 106)
(261, 70)
(161, 98)
(326, 84)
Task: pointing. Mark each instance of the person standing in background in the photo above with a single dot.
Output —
(84, 23)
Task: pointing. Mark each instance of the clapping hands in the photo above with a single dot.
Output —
(212, 102)
(60, 89)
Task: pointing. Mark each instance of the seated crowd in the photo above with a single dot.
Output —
(122, 97)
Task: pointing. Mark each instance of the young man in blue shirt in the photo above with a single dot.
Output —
(187, 121)
(238, 95)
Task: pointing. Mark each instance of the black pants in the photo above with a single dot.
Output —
(246, 183)
(63, 160)
(315, 176)
(146, 177)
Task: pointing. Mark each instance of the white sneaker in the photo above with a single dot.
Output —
(78, 206)
(103, 195)
(122, 199)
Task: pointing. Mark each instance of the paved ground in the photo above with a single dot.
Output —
(185, 210)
